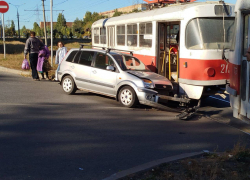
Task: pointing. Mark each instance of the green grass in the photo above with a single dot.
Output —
(15, 56)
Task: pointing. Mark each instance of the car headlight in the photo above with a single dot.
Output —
(148, 83)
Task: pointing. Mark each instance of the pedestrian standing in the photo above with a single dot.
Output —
(60, 53)
(32, 47)
(43, 65)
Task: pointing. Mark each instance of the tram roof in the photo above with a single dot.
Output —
(173, 12)
(242, 5)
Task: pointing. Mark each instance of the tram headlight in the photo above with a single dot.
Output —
(148, 83)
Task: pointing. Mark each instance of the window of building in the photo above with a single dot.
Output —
(132, 35)
(145, 34)
(121, 35)
(103, 35)
(96, 35)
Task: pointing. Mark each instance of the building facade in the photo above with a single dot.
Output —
(140, 7)
(68, 24)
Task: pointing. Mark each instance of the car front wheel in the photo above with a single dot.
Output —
(69, 85)
(127, 97)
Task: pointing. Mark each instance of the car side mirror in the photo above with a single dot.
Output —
(110, 68)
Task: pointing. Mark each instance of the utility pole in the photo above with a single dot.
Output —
(4, 45)
(51, 31)
(17, 6)
(44, 22)
(18, 24)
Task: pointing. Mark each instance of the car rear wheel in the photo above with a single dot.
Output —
(127, 97)
(68, 85)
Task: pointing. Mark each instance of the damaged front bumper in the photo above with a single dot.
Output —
(151, 98)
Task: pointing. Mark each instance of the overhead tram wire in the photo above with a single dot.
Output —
(103, 1)
(120, 6)
(61, 3)
(91, 4)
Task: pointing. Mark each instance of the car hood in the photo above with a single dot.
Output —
(155, 78)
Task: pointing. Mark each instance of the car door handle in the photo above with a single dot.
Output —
(94, 72)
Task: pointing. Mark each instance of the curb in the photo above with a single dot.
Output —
(243, 126)
(14, 71)
(152, 164)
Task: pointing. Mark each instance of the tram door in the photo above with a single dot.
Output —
(162, 49)
(111, 37)
(168, 41)
(245, 70)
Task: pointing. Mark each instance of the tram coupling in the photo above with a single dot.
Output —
(188, 113)
(184, 113)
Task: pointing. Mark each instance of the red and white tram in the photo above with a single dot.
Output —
(239, 63)
(183, 42)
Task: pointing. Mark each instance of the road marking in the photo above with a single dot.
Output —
(219, 99)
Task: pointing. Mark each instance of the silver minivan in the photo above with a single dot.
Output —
(113, 74)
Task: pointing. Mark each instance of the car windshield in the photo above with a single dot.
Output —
(209, 33)
(130, 63)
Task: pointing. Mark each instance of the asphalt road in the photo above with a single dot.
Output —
(46, 134)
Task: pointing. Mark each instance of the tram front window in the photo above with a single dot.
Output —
(208, 33)
(130, 63)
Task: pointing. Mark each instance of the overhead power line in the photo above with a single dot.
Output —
(61, 3)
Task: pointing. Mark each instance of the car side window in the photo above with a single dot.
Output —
(86, 58)
(103, 60)
(71, 56)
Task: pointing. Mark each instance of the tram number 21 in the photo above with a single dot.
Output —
(224, 68)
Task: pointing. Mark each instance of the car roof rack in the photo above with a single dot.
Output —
(111, 49)
(89, 45)
(105, 48)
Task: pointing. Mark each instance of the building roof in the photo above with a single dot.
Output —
(68, 24)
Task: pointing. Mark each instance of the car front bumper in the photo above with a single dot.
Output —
(151, 98)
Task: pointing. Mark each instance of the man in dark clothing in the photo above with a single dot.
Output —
(32, 47)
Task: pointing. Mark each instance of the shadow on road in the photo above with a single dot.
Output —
(56, 139)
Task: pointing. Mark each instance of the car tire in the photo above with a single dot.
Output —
(127, 97)
(68, 85)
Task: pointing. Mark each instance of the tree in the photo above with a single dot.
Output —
(96, 17)
(61, 22)
(7, 31)
(78, 27)
(87, 17)
(65, 31)
(12, 29)
(37, 29)
(136, 11)
(24, 31)
(117, 13)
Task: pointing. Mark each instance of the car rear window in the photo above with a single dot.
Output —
(71, 56)
(84, 57)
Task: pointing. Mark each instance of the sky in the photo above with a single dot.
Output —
(71, 9)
